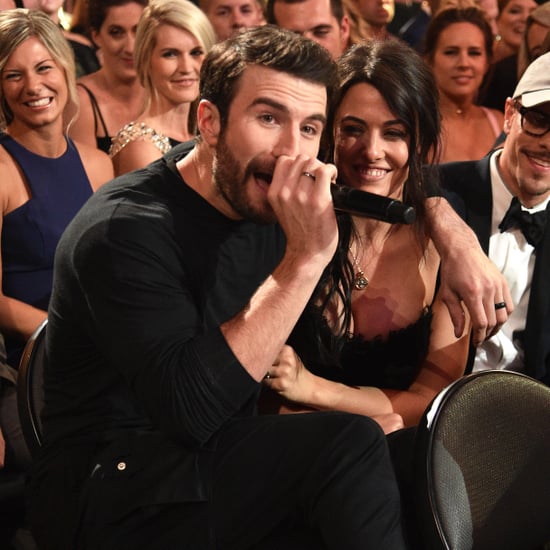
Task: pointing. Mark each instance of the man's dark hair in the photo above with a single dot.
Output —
(266, 46)
(336, 8)
(96, 10)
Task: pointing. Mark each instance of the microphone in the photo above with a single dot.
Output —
(369, 205)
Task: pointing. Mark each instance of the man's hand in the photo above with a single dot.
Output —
(300, 196)
(470, 277)
(467, 275)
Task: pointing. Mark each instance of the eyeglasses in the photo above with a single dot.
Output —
(533, 122)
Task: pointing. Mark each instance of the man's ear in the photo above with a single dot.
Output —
(509, 113)
(208, 122)
(345, 31)
(93, 35)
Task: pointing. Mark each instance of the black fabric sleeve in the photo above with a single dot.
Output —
(148, 326)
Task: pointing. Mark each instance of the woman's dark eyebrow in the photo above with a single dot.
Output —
(351, 118)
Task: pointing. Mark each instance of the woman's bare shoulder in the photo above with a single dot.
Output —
(97, 164)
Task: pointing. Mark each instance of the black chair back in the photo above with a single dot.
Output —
(30, 390)
(482, 464)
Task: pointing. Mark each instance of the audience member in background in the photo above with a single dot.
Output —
(378, 14)
(46, 177)
(228, 17)
(405, 10)
(85, 57)
(112, 96)
(412, 32)
(532, 44)
(505, 197)
(503, 75)
(490, 10)
(324, 21)
(79, 19)
(511, 21)
(175, 290)
(458, 49)
(79, 23)
(359, 29)
(546, 44)
(173, 37)
(387, 342)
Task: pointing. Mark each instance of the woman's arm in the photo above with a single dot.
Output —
(16, 317)
(445, 362)
(19, 318)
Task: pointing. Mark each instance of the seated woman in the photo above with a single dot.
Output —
(511, 21)
(518, 41)
(458, 49)
(46, 177)
(173, 36)
(386, 343)
(533, 41)
(112, 96)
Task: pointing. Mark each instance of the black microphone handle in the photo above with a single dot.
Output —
(370, 205)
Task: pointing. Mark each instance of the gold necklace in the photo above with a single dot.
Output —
(360, 282)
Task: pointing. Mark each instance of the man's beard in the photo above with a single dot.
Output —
(230, 179)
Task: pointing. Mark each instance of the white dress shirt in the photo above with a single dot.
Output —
(514, 257)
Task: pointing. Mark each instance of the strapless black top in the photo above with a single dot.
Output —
(391, 363)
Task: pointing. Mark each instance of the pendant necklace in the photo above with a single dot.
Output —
(360, 282)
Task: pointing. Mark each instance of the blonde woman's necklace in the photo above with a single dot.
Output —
(360, 282)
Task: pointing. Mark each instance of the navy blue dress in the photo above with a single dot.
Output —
(30, 233)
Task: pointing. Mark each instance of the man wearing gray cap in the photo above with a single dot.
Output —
(504, 197)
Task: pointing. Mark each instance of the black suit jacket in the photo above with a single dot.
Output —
(469, 190)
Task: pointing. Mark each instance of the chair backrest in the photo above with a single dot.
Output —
(482, 464)
(30, 390)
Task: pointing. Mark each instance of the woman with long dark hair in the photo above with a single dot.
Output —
(386, 343)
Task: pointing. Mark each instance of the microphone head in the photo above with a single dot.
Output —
(363, 203)
(399, 212)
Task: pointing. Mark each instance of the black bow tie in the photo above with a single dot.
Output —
(531, 225)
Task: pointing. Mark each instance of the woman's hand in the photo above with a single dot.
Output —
(289, 377)
(291, 380)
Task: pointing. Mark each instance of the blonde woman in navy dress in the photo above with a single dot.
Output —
(45, 176)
